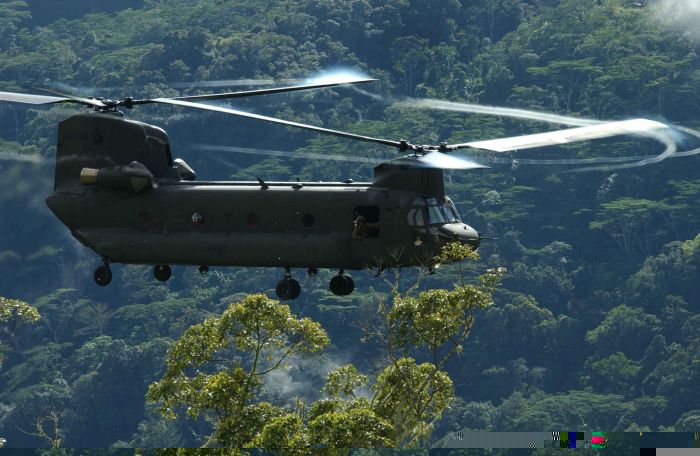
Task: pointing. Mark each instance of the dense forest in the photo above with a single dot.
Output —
(594, 324)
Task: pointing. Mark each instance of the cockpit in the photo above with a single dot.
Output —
(440, 217)
(430, 211)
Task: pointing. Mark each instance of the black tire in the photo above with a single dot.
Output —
(296, 288)
(162, 272)
(287, 289)
(204, 270)
(102, 276)
(342, 285)
(349, 285)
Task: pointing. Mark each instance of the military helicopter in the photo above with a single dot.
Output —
(120, 192)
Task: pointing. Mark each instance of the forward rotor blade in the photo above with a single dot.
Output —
(250, 93)
(30, 99)
(604, 130)
(437, 160)
(288, 123)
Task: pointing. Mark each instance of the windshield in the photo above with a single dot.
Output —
(433, 212)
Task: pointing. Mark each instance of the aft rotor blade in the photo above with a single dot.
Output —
(46, 99)
(31, 99)
(570, 135)
(251, 93)
(86, 101)
(288, 123)
(437, 160)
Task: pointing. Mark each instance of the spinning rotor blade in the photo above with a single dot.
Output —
(290, 154)
(31, 99)
(86, 101)
(434, 160)
(437, 160)
(46, 99)
(551, 138)
(250, 93)
(288, 123)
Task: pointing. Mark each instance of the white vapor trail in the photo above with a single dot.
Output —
(12, 156)
(429, 103)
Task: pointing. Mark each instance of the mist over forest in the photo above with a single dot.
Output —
(594, 326)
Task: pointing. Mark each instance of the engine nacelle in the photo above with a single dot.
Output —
(133, 177)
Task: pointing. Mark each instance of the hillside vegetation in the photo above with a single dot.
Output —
(596, 325)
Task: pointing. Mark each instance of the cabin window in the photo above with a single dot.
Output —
(365, 222)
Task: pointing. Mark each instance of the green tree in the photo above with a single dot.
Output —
(614, 374)
(625, 329)
(215, 370)
(13, 312)
(12, 13)
(628, 221)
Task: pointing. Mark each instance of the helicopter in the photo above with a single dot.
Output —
(120, 193)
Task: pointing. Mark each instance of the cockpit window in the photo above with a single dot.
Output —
(451, 214)
(435, 214)
(430, 211)
(416, 217)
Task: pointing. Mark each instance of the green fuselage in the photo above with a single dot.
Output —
(244, 224)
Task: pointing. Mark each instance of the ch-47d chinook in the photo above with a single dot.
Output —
(120, 192)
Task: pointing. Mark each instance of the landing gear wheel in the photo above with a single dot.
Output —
(203, 270)
(288, 289)
(162, 272)
(342, 285)
(102, 276)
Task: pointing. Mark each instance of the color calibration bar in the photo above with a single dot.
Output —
(491, 439)
(573, 439)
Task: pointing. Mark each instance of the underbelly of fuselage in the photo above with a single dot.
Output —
(294, 250)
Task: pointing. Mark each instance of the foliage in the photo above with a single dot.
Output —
(216, 370)
(600, 315)
(250, 339)
(13, 311)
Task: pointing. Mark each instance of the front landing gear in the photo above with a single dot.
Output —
(342, 285)
(162, 272)
(288, 288)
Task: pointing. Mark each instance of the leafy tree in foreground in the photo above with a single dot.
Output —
(215, 370)
(13, 311)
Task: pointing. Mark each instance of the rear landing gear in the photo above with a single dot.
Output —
(288, 288)
(162, 272)
(103, 275)
(342, 285)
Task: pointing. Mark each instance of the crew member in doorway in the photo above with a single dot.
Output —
(361, 227)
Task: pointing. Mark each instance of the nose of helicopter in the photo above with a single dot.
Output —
(461, 232)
